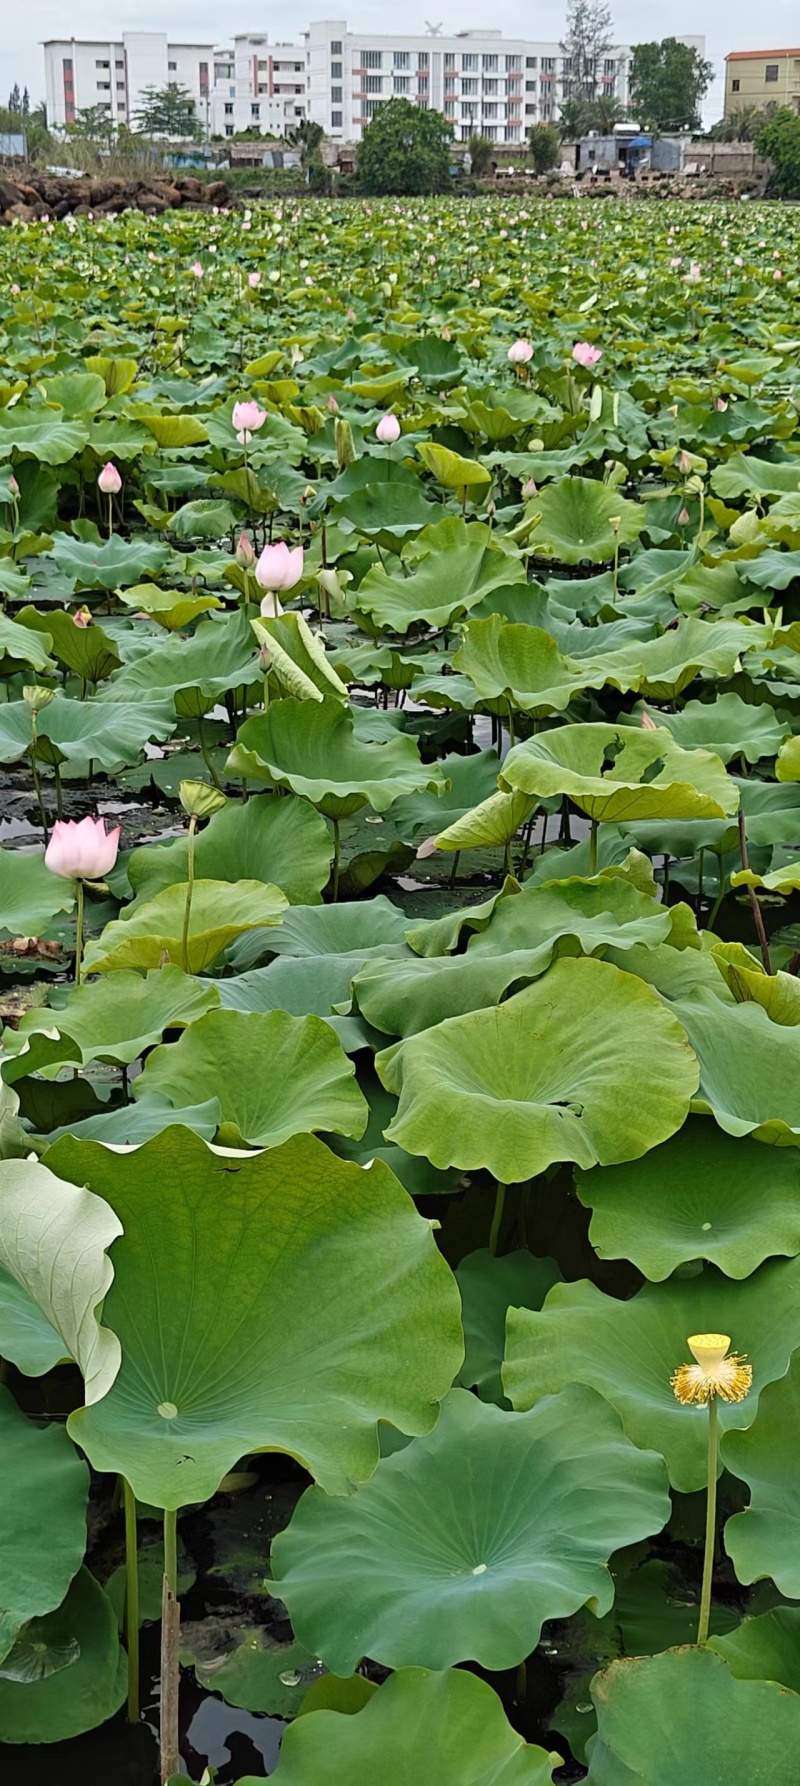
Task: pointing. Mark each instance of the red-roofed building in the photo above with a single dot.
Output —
(761, 78)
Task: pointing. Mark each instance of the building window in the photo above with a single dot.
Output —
(228, 110)
(120, 86)
(336, 95)
(548, 65)
(172, 67)
(609, 65)
(422, 101)
(402, 83)
(529, 109)
(336, 47)
(490, 62)
(229, 130)
(469, 109)
(373, 83)
(735, 86)
(372, 59)
(469, 86)
(255, 111)
(513, 64)
(530, 86)
(120, 65)
(490, 133)
(336, 120)
(530, 62)
(401, 59)
(512, 133)
(449, 108)
(102, 64)
(104, 86)
(490, 87)
(490, 111)
(771, 71)
(423, 59)
(449, 59)
(469, 64)
(336, 71)
(262, 67)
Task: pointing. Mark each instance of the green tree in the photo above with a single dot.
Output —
(405, 150)
(544, 147)
(668, 80)
(587, 40)
(15, 101)
(168, 111)
(742, 125)
(481, 155)
(94, 124)
(779, 141)
(579, 116)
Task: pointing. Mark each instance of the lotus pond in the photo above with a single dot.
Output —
(399, 939)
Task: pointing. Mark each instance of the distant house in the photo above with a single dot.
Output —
(760, 78)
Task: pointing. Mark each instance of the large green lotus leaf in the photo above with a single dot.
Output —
(745, 475)
(304, 986)
(247, 1667)
(365, 927)
(26, 1337)
(605, 910)
(749, 1067)
(764, 1539)
(766, 1648)
(85, 650)
(107, 564)
(44, 434)
(461, 566)
(465, 1542)
(616, 773)
(176, 430)
(297, 658)
(682, 1717)
(772, 569)
(727, 725)
(45, 1486)
(20, 645)
(118, 1017)
(111, 736)
(629, 1350)
(452, 469)
(553, 1074)
(420, 1729)
(492, 825)
(419, 1178)
(520, 664)
(128, 1125)
(315, 750)
(783, 880)
(279, 1301)
(442, 936)
(66, 1673)
(169, 607)
(221, 911)
(472, 779)
(662, 668)
(575, 518)
(76, 392)
(220, 655)
(779, 994)
(30, 895)
(489, 1287)
(701, 1195)
(53, 1241)
(274, 1075)
(279, 840)
(386, 512)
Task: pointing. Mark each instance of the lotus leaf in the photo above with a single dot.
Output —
(281, 841)
(629, 1350)
(518, 664)
(553, 1074)
(316, 751)
(42, 1519)
(461, 565)
(574, 521)
(300, 1241)
(491, 825)
(749, 1079)
(274, 1075)
(454, 1552)
(118, 1017)
(765, 1648)
(651, 1711)
(66, 1673)
(489, 1287)
(617, 774)
(444, 1729)
(30, 896)
(728, 726)
(221, 911)
(26, 1337)
(83, 732)
(763, 1540)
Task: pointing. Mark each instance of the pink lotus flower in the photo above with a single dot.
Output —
(683, 518)
(248, 417)
(245, 553)
(13, 486)
(648, 724)
(82, 852)
(388, 429)
(15, 290)
(82, 617)
(331, 404)
(254, 281)
(694, 272)
(529, 489)
(109, 480)
(279, 568)
(584, 354)
(520, 353)
(196, 269)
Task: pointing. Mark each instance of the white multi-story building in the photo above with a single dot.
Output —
(482, 82)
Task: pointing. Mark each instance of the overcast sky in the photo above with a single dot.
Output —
(728, 25)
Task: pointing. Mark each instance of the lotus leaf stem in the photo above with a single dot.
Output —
(711, 1523)
(206, 756)
(754, 905)
(187, 910)
(78, 931)
(131, 1601)
(499, 1205)
(335, 867)
(593, 847)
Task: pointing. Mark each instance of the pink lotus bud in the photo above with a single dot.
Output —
(529, 489)
(245, 553)
(109, 480)
(15, 290)
(278, 567)
(196, 269)
(684, 462)
(721, 404)
(648, 724)
(388, 429)
(738, 261)
(248, 417)
(332, 405)
(13, 486)
(584, 354)
(694, 272)
(520, 352)
(777, 273)
(254, 281)
(82, 617)
(351, 315)
(676, 261)
(683, 518)
(81, 852)
(263, 654)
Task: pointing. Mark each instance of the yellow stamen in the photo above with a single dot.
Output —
(716, 1372)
